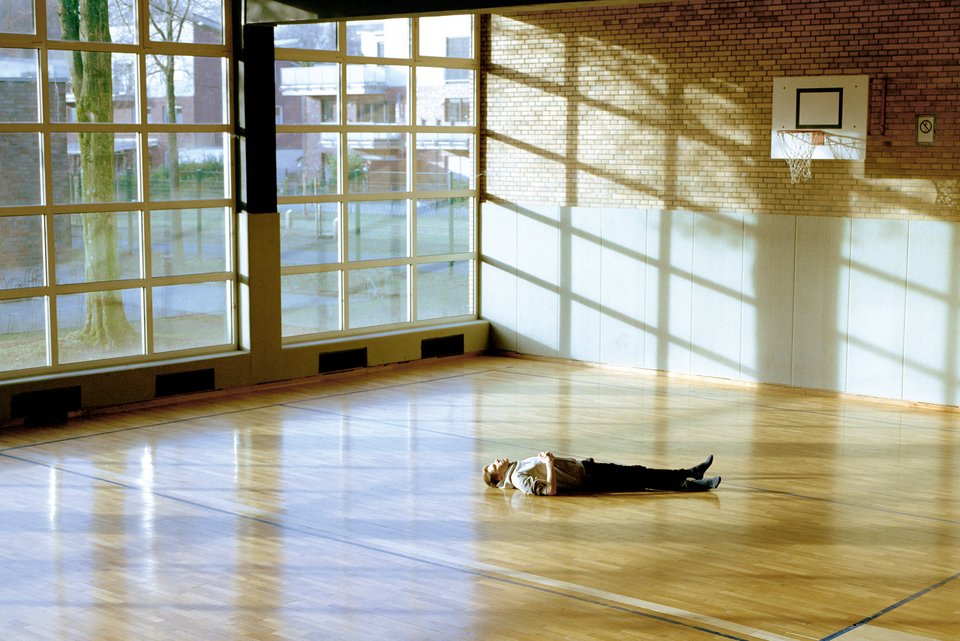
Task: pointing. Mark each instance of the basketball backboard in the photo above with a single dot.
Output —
(836, 105)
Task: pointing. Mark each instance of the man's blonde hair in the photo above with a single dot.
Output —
(489, 479)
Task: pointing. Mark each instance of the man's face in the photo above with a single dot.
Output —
(497, 468)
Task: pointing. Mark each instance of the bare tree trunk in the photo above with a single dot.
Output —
(174, 155)
(92, 77)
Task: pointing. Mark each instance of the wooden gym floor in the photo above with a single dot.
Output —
(351, 507)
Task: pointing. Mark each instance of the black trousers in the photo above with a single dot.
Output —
(612, 477)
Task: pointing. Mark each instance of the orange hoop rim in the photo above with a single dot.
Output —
(815, 137)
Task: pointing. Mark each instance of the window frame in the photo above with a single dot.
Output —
(412, 261)
(142, 130)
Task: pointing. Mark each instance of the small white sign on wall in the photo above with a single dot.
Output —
(926, 129)
(834, 105)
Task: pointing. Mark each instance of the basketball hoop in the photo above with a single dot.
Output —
(798, 146)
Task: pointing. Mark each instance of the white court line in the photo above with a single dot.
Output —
(575, 589)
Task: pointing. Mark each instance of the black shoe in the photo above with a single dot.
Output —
(698, 471)
(701, 485)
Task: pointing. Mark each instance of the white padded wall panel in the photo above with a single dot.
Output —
(932, 327)
(580, 279)
(623, 258)
(716, 295)
(538, 270)
(821, 302)
(878, 273)
(669, 290)
(766, 328)
(864, 306)
(498, 273)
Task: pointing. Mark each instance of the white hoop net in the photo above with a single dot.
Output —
(844, 147)
(798, 147)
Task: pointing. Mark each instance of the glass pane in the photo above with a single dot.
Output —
(199, 89)
(111, 250)
(191, 316)
(310, 303)
(443, 289)
(377, 162)
(189, 241)
(186, 166)
(63, 97)
(444, 96)
(308, 93)
(443, 226)
(377, 230)
(378, 296)
(377, 94)
(23, 338)
(379, 38)
(99, 325)
(95, 167)
(21, 252)
(194, 21)
(307, 164)
(18, 85)
(20, 168)
(447, 36)
(309, 234)
(120, 28)
(320, 36)
(16, 16)
(444, 161)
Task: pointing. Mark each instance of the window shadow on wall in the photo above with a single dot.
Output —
(671, 280)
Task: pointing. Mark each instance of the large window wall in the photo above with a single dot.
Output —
(376, 157)
(116, 204)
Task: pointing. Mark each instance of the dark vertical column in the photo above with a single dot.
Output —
(259, 310)
(256, 121)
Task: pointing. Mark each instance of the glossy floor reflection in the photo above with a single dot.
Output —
(350, 507)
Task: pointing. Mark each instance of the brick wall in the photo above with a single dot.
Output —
(668, 105)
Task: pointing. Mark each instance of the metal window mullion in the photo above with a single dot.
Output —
(88, 45)
(373, 60)
(192, 279)
(188, 128)
(20, 127)
(143, 169)
(87, 287)
(380, 129)
(47, 217)
(309, 199)
(82, 208)
(226, 20)
(188, 204)
(93, 127)
(308, 129)
(449, 63)
(21, 40)
(307, 55)
(343, 243)
(412, 109)
(442, 258)
(316, 268)
(474, 220)
(50, 305)
(375, 263)
(378, 196)
(411, 255)
(193, 49)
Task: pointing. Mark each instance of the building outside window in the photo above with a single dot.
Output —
(376, 165)
(116, 205)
